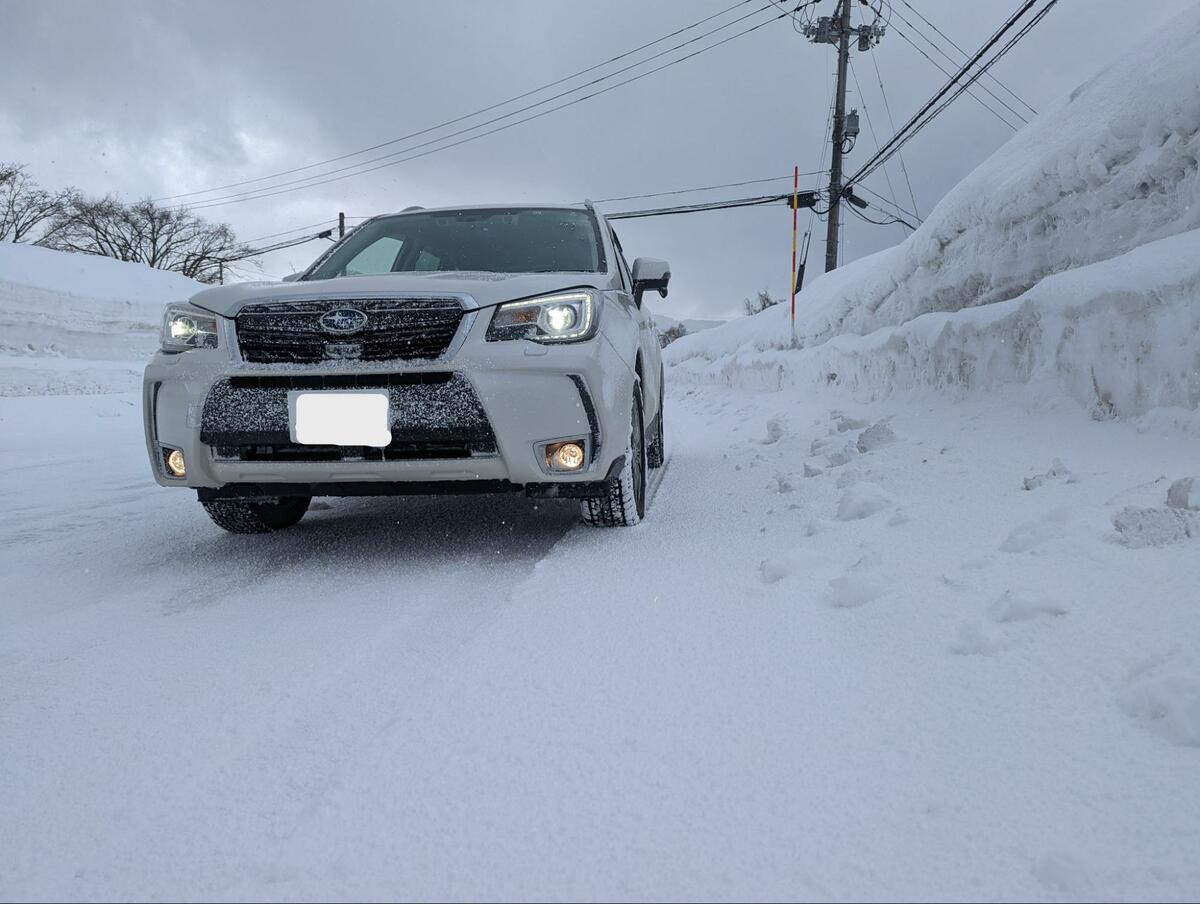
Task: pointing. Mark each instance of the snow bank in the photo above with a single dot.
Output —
(1071, 253)
(72, 323)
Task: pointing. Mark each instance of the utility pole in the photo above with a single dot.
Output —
(837, 30)
(839, 137)
(341, 225)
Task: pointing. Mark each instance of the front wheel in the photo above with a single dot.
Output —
(625, 503)
(239, 516)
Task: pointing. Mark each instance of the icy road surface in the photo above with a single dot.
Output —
(931, 668)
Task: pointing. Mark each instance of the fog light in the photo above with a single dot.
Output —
(175, 463)
(565, 456)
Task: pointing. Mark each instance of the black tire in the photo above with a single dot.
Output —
(241, 517)
(625, 503)
(656, 451)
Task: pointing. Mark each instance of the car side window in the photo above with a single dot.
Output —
(622, 265)
(378, 257)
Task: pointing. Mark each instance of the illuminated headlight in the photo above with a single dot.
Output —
(186, 327)
(569, 317)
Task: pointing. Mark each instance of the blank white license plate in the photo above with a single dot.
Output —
(350, 418)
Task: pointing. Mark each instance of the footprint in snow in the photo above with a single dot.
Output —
(861, 584)
(1031, 534)
(1163, 694)
(841, 456)
(1020, 605)
(1061, 873)
(862, 501)
(978, 639)
(996, 631)
(774, 570)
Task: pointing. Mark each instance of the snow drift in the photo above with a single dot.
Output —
(72, 323)
(1071, 254)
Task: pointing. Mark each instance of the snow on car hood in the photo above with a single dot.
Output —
(484, 288)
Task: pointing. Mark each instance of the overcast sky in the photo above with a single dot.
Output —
(157, 98)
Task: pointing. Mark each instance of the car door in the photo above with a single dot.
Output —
(648, 341)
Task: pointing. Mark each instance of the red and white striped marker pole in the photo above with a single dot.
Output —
(795, 231)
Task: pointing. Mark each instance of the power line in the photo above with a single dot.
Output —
(684, 191)
(916, 29)
(946, 72)
(892, 125)
(278, 246)
(896, 207)
(1041, 14)
(757, 201)
(871, 125)
(273, 235)
(915, 122)
(955, 45)
(889, 222)
(385, 160)
(457, 120)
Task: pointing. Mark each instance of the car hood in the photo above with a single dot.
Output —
(484, 288)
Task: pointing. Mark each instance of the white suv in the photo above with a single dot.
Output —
(480, 349)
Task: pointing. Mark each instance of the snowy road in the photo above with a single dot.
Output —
(903, 676)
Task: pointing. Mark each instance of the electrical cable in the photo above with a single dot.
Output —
(684, 191)
(457, 120)
(955, 45)
(265, 193)
(701, 208)
(946, 72)
(907, 129)
(871, 125)
(1028, 27)
(892, 125)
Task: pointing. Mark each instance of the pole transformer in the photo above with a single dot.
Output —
(837, 30)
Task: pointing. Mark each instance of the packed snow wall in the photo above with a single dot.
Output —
(1071, 254)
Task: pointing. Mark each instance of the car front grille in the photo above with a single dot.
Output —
(393, 329)
(432, 415)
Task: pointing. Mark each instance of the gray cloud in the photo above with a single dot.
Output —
(155, 98)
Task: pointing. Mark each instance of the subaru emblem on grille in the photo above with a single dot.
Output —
(343, 320)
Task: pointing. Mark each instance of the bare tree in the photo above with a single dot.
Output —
(168, 238)
(671, 333)
(760, 302)
(24, 206)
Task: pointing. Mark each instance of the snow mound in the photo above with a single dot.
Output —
(1071, 256)
(75, 323)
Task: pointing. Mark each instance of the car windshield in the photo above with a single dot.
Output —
(493, 240)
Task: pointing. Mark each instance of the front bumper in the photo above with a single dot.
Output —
(470, 423)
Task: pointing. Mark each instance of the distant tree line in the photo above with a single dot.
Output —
(168, 238)
(671, 333)
(760, 303)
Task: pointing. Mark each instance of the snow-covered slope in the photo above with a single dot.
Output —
(77, 323)
(1070, 254)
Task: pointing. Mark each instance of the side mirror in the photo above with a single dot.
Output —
(292, 277)
(650, 273)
